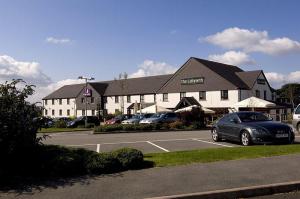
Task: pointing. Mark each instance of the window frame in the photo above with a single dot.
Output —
(204, 98)
(182, 95)
(165, 97)
(223, 96)
(128, 98)
(117, 100)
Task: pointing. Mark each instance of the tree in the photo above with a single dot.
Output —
(290, 91)
(18, 127)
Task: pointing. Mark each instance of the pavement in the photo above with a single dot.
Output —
(156, 182)
(148, 142)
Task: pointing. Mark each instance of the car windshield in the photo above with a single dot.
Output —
(157, 115)
(119, 117)
(137, 117)
(253, 117)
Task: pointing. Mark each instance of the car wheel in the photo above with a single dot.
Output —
(245, 138)
(215, 135)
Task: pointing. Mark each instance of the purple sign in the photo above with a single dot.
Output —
(87, 92)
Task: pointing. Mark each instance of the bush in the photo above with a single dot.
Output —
(102, 163)
(18, 118)
(129, 158)
(60, 124)
(176, 125)
(130, 127)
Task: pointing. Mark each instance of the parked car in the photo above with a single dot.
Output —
(118, 119)
(160, 118)
(80, 121)
(296, 118)
(251, 127)
(137, 118)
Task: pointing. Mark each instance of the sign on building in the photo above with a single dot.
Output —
(87, 92)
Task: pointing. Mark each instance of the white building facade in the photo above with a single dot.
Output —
(212, 84)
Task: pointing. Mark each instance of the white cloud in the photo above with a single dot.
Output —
(232, 57)
(31, 73)
(58, 40)
(149, 68)
(277, 80)
(252, 41)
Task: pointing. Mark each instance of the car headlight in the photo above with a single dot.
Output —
(259, 131)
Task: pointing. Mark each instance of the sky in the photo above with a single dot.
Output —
(51, 43)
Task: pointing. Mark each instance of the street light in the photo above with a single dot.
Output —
(85, 96)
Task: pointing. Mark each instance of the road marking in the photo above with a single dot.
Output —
(98, 148)
(158, 146)
(75, 145)
(212, 143)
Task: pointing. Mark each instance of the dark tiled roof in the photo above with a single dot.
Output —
(68, 91)
(226, 71)
(132, 86)
(99, 87)
(249, 77)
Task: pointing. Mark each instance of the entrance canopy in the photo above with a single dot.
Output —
(254, 102)
(154, 109)
(189, 108)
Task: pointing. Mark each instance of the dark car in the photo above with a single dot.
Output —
(160, 118)
(80, 121)
(118, 119)
(251, 127)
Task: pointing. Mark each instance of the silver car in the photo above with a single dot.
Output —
(137, 118)
(296, 118)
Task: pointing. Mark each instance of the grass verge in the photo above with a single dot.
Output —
(57, 130)
(220, 154)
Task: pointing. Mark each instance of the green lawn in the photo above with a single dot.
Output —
(57, 130)
(220, 154)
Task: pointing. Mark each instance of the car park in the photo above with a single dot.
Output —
(118, 119)
(296, 119)
(80, 121)
(251, 127)
(160, 118)
(137, 118)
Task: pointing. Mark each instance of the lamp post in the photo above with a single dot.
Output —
(85, 97)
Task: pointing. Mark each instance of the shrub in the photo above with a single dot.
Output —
(18, 118)
(129, 158)
(176, 125)
(146, 127)
(60, 124)
(102, 163)
(165, 126)
(129, 127)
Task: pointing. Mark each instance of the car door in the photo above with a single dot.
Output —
(222, 125)
(233, 127)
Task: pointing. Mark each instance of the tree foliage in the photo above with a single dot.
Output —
(18, 127)
(291, 92)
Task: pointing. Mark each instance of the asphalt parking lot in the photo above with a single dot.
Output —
(148, 142)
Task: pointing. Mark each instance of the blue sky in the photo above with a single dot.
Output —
(59, 40)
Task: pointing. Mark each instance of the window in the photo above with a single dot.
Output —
(261, 81)
(60, 112)
(165, 97)
(128, 98)
(142, 98)
(46, 102)
(53, 112)
(46, 112)
(154, 97)
(265, 95)
(82, 100)
(93, 112)
(68, 112)
(68, 101)
(116, 99)
(60, 101)
(224, 94)
(202, 95)
(92, 100)
(83, 112)
(182, 94)
(53, 100)
(297, 111)
(257, 93)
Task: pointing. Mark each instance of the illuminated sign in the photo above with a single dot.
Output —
(193, 80)
(87, 92)
(261, 81)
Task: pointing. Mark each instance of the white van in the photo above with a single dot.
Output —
(296, 118)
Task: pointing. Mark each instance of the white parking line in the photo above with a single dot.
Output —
(158, 146)
(212, 143)
(98, 148)
(75, 145)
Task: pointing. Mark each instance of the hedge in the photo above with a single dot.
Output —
(58, 161)
(146, 127)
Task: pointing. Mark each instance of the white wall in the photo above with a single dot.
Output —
(213, 99)
(111, 106)
(56, 107)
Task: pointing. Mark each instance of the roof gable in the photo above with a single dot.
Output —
(67, 91)
(216, 76)
(249, 77)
